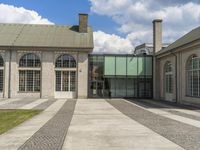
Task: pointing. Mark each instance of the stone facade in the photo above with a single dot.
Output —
(47, 81)
(179, 59)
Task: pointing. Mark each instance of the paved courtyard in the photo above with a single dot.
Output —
(96, 124)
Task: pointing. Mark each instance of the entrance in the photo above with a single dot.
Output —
(97, 89)
(65, 84)
(65, 77)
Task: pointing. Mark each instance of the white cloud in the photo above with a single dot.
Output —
(111, 43)
(12, 14)
(134, 17)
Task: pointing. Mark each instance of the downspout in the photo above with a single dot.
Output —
(9, 76)
(176, 83)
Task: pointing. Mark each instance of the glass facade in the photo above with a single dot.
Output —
(120, 76)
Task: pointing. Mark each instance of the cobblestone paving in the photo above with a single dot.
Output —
(51, 136)
(16, 104)
(44, 105)
(182, 134)
(148, 103)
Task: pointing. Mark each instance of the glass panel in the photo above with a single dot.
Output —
(65, 61)
(30, 60)
(110, 87)
(189, 83)
(141, 66)
(109, 65)
(58, 80)
(131, 66)
(148, 65)
(22, 80)
(120, 65)
(195, 83)
(1, 61)
(148, 85)
(65, 81)
(131, 87)
(29, 81)
(1, 80)
(72, 80)
(120, 87)
(141, 88)
(37, 81)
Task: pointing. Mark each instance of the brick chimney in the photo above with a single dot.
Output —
(157, 35)
(83, 23)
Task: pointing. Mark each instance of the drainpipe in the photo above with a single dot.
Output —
(9, 76)
(176, 83)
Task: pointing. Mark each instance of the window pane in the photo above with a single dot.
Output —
(132, 66)
(120, 87)
(65, 81)
(195, 83)
(141, 66)
(72, 80)
(22, 80)
(29, 82)
(148, 65)
(131, 87)
(1, 80)
(1, 61)
(109, 65)
(65, 61)
(120, 65)
(30, 60)
(58, 80)
(37, 81)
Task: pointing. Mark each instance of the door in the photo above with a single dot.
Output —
(65, 84)
(97, 89)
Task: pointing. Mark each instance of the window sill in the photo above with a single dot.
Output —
(28, 92)
(192, 96)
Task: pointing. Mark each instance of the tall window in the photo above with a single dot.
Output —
(168, 78)
(65, 73)
(29, 73)
(1, 73)
(193, 76)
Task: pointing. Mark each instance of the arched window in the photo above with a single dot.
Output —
(29, 60)
(193, 76)
(168, 78)
(1, 73)
(65, 61)
(65, 67)
(29, 73)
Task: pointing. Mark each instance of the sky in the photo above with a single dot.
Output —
(119, 25)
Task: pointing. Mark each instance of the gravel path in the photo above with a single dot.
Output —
(182, 134)
(51, 136)
(168, 108)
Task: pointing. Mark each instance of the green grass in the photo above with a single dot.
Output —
(11, 118)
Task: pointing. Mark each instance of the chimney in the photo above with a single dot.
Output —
(157, 35)
(83, 23)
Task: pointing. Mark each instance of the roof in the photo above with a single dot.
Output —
(27, 35)
(186, 39)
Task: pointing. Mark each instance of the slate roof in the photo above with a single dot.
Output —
(27, 35)
(186, 39)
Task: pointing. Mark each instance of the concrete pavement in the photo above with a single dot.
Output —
(94, 124)
(97, 125)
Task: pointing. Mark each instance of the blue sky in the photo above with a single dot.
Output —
(65, 12)
(119, 25)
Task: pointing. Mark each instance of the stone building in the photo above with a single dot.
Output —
(45, 60)
(51, 61)
(177, 67)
